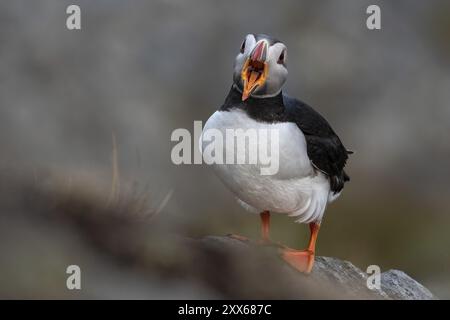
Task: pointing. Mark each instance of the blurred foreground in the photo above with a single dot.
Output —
(123, 254)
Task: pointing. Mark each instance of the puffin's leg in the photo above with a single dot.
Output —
(265, 226)
(303, 260)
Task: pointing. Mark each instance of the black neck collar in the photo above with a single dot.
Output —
(270, 109)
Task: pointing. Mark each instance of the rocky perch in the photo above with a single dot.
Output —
(126, 255)
(241, 269)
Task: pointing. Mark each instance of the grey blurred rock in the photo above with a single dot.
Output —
(398, 285)
(331, 278)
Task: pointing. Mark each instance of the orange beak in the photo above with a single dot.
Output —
(254, 72)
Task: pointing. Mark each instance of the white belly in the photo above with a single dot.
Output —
(296, 189)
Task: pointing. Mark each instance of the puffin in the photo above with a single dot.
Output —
(311, 156)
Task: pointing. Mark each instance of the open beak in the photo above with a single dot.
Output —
(254, 71)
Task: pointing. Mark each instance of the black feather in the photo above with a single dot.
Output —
(325, 149)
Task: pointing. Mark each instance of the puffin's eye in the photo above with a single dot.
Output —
(281, 58)
(243, 47)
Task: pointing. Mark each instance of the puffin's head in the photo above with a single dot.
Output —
(260, 66)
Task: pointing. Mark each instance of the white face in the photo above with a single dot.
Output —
(274, 73)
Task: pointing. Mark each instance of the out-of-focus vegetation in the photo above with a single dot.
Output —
(140, 69)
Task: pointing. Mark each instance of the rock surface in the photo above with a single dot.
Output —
(126, 256)
(269, 276)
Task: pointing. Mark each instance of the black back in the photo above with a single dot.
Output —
(325, 149)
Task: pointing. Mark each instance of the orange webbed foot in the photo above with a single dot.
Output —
(301, 260)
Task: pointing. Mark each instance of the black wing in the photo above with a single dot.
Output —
(325, 149)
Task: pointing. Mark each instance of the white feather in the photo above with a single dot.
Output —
(297, 189)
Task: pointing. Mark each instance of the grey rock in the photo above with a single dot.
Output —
(398, 285)
(264, 275)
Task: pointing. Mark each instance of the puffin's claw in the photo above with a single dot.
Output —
(238, 237)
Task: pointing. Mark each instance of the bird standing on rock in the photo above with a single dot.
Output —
(310, 154)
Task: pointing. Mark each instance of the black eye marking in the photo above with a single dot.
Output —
(281, 58)
(242, 47)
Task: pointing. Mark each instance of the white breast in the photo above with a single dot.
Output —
(296, 189)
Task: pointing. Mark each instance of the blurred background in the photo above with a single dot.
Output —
(88, 115)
